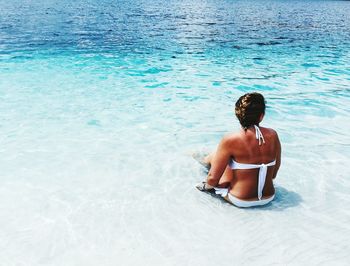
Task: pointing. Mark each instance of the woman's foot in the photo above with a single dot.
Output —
(203, 186)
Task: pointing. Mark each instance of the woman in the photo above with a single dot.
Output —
(245, 163)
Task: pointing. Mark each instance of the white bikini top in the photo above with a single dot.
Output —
(262, 167)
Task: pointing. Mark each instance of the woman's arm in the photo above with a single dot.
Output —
(278, 157)
(219, 162)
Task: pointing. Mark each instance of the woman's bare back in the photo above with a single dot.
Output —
(245, 163)
(246, 149)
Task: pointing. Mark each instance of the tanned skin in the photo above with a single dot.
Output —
(243, 147)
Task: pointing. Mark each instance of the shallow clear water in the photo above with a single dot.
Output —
(102, 103)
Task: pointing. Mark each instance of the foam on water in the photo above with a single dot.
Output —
(103, 103)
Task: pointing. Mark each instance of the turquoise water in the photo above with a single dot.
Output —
(103, 102)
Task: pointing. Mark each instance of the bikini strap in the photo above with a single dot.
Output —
(259, 136)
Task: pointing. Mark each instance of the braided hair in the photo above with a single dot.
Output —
(249, 109)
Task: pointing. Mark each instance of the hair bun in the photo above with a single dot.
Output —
(249, 109)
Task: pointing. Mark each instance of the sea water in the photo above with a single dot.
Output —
(103, 102)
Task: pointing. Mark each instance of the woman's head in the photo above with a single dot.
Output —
(250, 108)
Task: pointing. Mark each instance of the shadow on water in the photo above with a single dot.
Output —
(284, 199)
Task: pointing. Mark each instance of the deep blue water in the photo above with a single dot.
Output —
(175, 27)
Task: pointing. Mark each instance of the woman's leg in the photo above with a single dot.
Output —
(227, 176)
(207, 159)
(203, 158)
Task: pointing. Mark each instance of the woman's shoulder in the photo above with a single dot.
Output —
(232, 138)
(270, 133)
(267, 130)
